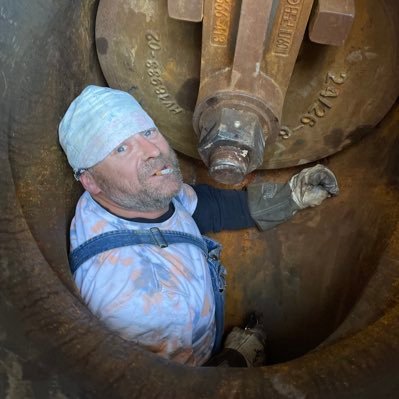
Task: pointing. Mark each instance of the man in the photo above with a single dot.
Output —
(162, 294)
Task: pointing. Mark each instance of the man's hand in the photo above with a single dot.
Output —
(273, 203)
(313, 185)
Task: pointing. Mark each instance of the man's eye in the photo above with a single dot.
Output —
(149, 133)
(121, 148)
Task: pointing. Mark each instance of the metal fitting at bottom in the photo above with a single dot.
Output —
(228, 164)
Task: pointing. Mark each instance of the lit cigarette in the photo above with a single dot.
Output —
(164, 172)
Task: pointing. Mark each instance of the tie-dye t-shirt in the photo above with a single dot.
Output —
(160, 298)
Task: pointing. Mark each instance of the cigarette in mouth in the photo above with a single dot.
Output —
(164, 172)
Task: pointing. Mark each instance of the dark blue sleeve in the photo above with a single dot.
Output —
(221, 209)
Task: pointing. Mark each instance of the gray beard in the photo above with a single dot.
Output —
(145, 197)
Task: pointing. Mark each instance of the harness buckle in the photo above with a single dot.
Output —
(158, 237)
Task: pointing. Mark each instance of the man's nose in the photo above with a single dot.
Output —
(148, 148)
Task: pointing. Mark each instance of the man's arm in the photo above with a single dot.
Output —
(264, 205)
(221, 209)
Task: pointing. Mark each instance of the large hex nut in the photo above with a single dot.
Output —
(232, 143)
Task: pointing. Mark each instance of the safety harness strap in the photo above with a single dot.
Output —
(122, 238)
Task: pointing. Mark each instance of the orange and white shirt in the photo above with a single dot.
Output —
(161, 298)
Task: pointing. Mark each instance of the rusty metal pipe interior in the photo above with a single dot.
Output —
(296, 82)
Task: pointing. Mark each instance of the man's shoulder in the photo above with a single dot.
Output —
(88, 209)
(90, 220)
(187, 198)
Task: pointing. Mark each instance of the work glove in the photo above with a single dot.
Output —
(273, 203)
(250, 342)
(311, 186)
(243, 347)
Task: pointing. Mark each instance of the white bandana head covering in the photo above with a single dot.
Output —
(96, 122)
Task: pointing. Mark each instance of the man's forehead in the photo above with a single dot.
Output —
(142, 133)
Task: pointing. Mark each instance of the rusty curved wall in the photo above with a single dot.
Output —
(331, 270)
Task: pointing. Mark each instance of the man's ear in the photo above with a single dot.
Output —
(89, 183)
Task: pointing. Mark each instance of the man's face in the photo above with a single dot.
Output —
(128, 176)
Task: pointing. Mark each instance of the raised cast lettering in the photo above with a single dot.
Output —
(221, 22)
(287, 26)
(155, 76)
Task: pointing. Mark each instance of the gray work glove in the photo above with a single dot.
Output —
(311, 186)
(273, 203)
(250, 343)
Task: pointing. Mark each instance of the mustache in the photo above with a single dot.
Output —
(154, 164)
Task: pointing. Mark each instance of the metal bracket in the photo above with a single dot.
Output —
(186, 10)
(332, 21)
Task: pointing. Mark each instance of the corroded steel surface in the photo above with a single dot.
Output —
(335, 93)
(332, 21)
(231, 84)
(304, 276)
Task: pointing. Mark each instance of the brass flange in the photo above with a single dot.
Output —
(331, 95)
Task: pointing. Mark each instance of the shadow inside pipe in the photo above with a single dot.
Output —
(305, 276)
